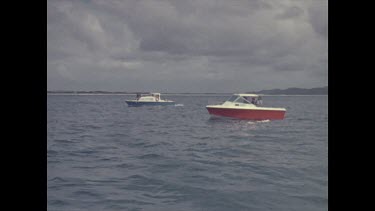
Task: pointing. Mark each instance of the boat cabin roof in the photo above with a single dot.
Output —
(148, 94)
(247, 95)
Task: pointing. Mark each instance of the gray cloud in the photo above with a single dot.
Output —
(318, 16)
(291, 12)
(210, 45)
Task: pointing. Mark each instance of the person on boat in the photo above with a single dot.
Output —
(260, 101)
(253, 101)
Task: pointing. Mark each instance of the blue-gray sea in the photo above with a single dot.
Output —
(103, 155)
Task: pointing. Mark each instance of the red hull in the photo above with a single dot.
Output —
(248, 114)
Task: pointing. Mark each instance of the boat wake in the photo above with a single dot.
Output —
(259, 121)
(179, 105)
(266, 120)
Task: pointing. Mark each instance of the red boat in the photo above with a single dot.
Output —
(246, 106)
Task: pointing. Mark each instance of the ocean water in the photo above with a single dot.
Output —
(103, 155)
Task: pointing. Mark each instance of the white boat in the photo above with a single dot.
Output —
(149, 99)
(246, 106)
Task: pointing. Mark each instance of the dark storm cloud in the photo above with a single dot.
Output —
(112, 43)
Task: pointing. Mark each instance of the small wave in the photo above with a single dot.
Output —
(137, 176)
(53, 161)
(64, 141)
(124, 165)
(149, 156)
(303, 119)
(86, 151)
(52, 152)
(86, 193)
(179, 105)
(57, 179)
(58, 203)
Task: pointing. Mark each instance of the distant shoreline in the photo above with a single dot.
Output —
(179, 94)
(272, 92)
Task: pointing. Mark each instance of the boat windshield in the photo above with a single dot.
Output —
(233, 98)
(242, 100)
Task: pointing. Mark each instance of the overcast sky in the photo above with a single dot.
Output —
(186, 45)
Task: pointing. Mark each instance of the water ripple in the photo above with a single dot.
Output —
(103, 155)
